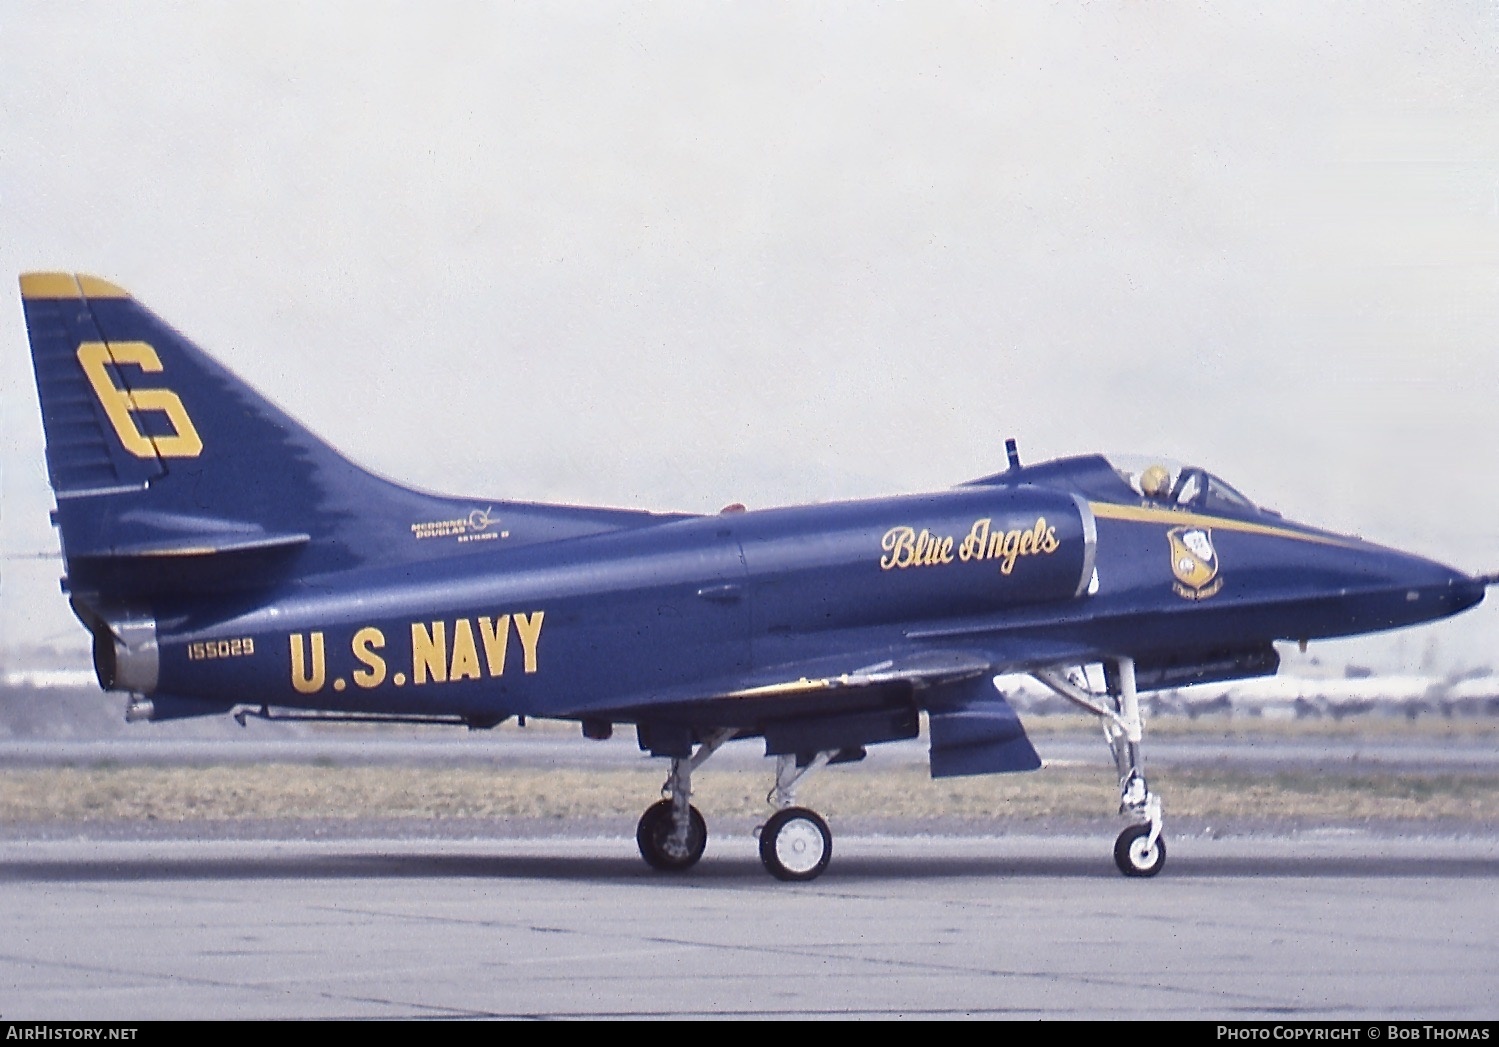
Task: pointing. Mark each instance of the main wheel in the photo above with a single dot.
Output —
(796, 844)
(654, 837)
(1133, 854)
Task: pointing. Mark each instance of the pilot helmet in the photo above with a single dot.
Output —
(1155, 481)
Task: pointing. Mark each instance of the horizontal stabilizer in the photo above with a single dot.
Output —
(214, 547)
(155, 535)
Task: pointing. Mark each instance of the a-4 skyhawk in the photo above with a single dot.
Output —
(225, 560)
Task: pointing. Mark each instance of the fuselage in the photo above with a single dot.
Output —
(612, 623)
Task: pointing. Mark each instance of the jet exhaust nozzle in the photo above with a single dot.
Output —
(126, 657)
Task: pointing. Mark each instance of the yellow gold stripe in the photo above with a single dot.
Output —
(93, 287)
(49, 285)
(67, 285)
(1181, 518)
(791, 687)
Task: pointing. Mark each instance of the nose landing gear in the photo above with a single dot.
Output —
(1139, 849)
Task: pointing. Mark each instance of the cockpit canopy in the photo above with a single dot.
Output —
(1136, 479)
(1169, 482)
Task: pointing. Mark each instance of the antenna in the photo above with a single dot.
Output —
(1013, 451)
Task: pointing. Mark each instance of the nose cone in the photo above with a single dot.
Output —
(1428, 590)
(1325, 585)
(1463, 591)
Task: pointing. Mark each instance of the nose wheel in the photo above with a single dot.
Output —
(796, 844)
(1137, 854)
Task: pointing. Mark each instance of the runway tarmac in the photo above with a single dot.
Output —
(1323, 925)
(540, 919)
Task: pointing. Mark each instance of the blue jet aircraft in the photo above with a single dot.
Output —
(225, 560)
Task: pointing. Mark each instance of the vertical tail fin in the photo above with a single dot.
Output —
(174, 477)
(170, 473)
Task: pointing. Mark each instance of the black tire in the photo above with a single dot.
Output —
(1133, 857)
(796, 844)
(653, 837)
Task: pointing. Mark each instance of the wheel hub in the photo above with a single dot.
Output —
(799, 846)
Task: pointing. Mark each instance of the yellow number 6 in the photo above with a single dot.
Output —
(119, 404)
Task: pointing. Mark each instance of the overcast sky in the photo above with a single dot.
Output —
(679, 255)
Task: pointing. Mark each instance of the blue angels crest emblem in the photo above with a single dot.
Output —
(1194, 562)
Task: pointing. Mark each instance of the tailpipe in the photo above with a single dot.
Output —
(126, 657)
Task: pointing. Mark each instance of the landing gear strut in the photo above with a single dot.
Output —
(672, 834)
(795, 843)
(1139, 849)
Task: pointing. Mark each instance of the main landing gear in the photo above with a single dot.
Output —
(1140, 849)
(672, 834)
(663, 845)
(795, 843)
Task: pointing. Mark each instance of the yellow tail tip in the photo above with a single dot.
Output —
(68, 285)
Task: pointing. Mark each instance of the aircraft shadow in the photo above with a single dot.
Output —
(628, 869)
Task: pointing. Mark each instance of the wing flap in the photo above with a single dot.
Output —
(975, 731)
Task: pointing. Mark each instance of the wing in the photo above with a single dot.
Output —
(845, 703)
